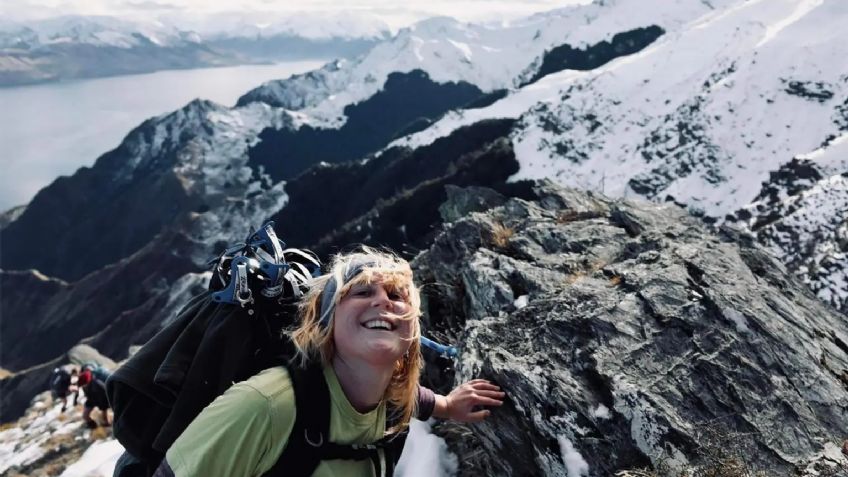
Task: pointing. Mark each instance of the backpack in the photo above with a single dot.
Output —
(60, 379)
(98, 372)
(227, 334)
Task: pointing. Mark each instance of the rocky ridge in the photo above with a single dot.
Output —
(624, 332)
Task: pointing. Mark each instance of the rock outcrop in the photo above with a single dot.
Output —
(627, 335)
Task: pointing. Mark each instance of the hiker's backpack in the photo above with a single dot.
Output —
(222, 336)
(60, 380)
(98, 372)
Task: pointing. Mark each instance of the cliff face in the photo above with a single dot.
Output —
(626, 335)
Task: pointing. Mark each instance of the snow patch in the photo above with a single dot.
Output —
(601, 412)
(98, 460)
(575, 464)
(425, 455)
(803, 8)
(520, 302)
(738, 319)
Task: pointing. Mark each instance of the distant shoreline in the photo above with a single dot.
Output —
(52, 129)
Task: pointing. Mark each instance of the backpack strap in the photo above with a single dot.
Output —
(311, 430)
(309, 442)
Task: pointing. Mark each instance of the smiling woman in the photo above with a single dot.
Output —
(362, 290)
(342, 407)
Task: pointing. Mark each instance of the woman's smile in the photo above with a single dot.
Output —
(369, 324)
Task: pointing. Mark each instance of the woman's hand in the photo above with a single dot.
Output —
(463, 403)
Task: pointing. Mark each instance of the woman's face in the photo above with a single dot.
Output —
(367, 328)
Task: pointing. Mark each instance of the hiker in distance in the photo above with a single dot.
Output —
(63, 385)
(341, 408)
(92, 380)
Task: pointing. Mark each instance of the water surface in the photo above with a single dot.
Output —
(53, 129)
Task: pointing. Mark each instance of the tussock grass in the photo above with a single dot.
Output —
(501, 235)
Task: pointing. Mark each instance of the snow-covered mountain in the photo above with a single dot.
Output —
(731, 93)
(702, 117)
(91, 30)
(69, 47)
(488, 56)
(308, 25)
(800, 215)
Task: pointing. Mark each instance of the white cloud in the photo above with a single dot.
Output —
(396, 14)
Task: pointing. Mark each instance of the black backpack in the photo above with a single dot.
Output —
(222, 336)
(60, 380)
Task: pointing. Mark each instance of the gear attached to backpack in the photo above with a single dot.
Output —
(261, 263)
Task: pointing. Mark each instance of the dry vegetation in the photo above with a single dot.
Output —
(501, 235)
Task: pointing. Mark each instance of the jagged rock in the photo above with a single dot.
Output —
(628, 335)
(463, 201)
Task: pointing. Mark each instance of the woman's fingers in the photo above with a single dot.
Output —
(485, 385)
(491, 394)
(486, 401)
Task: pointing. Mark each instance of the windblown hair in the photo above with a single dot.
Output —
(314, 340)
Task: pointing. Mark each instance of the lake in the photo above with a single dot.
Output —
(54, 129)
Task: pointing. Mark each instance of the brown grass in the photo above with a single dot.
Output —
(572, 216)
(567, 216)
(100, 433)
(8, 425)
(501, 235)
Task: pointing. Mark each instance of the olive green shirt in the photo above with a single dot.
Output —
(244, 431)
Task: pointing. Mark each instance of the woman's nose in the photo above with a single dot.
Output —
(381, 298)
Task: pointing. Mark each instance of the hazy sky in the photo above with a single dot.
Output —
(397, 13)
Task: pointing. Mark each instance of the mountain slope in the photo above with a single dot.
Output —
(201, 166)
(701, 117)
(170, 166)
(800, 215)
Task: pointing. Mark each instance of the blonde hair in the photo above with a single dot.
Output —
(314, 338)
